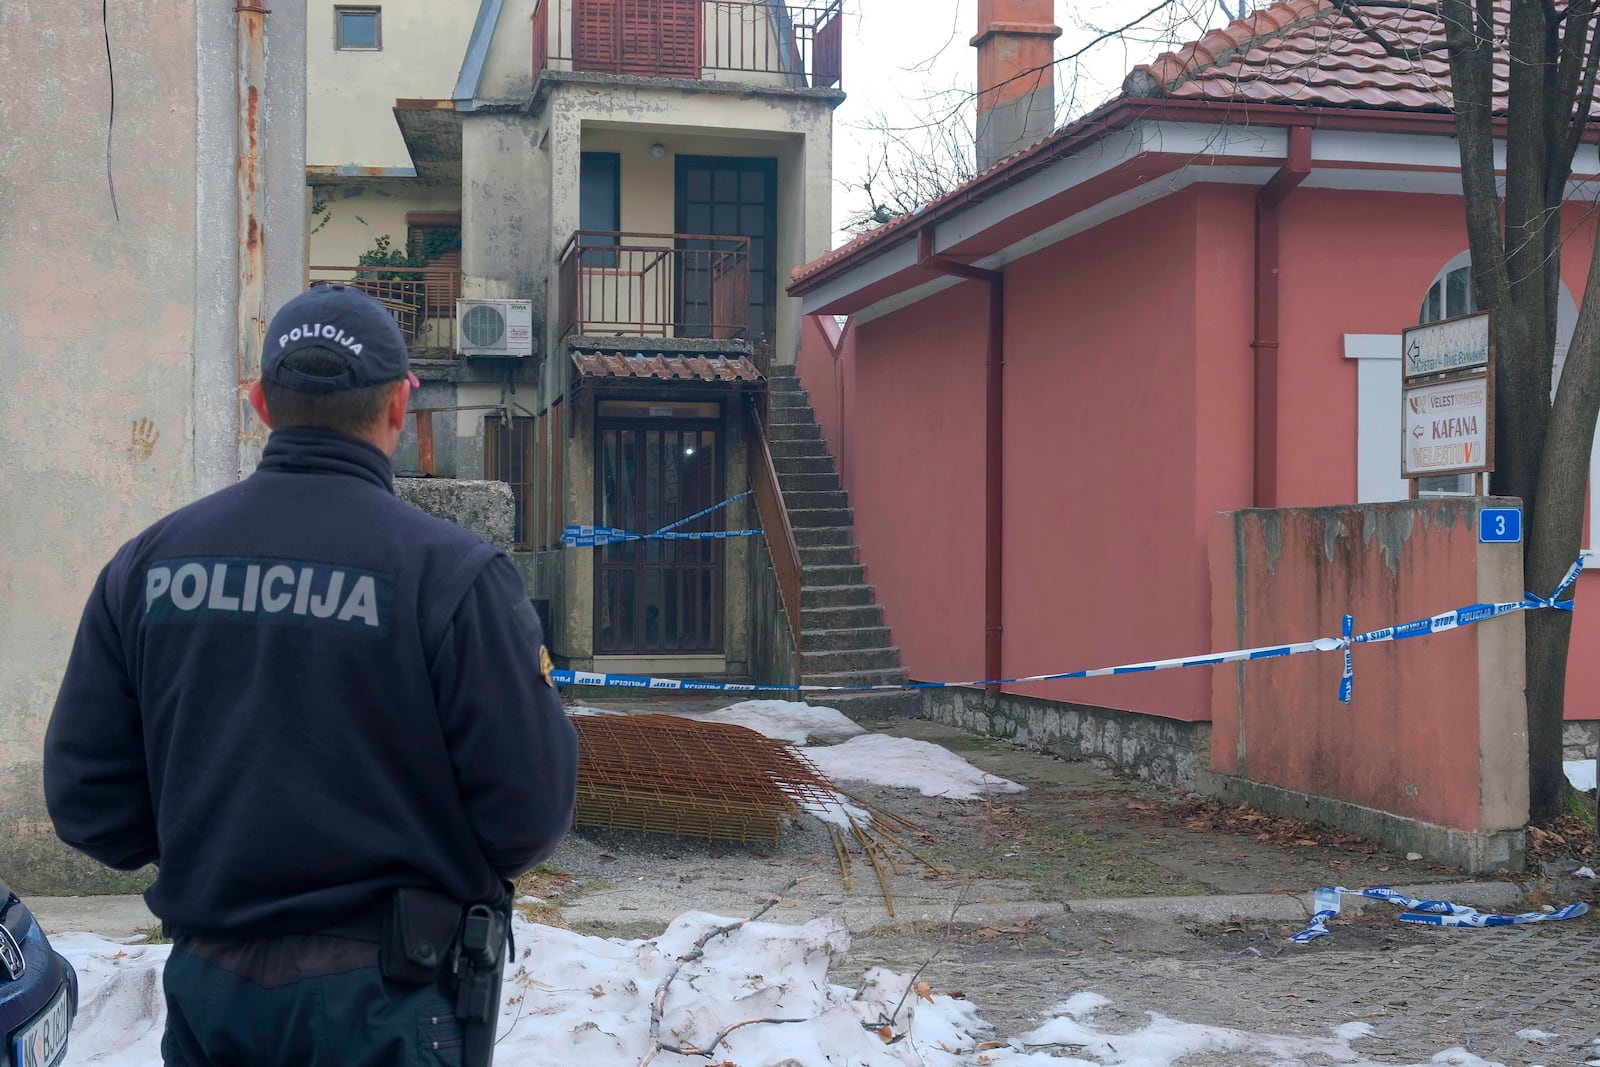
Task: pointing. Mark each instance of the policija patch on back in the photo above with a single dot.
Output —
(271, 591)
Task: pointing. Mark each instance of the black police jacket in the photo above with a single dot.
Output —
(299, 693)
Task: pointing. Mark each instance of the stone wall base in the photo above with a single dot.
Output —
(1580, 739)
(1476, 851)
(1168, 751)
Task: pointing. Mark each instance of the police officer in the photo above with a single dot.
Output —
(320, 712)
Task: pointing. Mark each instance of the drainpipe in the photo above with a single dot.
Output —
(994, 445)
(250, 19)
(1295, 169)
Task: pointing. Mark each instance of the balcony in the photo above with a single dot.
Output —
(421, 299)
(655, 285)
(750, 42)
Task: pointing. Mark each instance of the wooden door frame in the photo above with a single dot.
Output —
(719, 566)
(769, 166)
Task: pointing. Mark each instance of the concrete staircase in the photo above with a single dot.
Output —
(844, 640)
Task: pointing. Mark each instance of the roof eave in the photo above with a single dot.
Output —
(1085, 131)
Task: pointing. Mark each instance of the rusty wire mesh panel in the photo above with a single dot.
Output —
(671, 775)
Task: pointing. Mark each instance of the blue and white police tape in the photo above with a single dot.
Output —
(1449, 620)
(1429, 912)
(600, 536)
(576, 536)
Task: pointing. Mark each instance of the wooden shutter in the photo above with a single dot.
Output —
(596, 26)
(680, 38)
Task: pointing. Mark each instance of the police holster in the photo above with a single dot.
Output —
(428, 937)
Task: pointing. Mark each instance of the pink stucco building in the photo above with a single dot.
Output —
(1185, 303)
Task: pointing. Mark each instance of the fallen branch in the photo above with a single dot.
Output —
(698, 951)
(711, 1049)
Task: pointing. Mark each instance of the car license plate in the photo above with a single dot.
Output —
(43, 1042)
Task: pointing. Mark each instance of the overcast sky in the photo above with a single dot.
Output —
(897, 52)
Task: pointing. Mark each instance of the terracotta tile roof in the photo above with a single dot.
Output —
(667, 368)
(1306, 52)
(1297, 52)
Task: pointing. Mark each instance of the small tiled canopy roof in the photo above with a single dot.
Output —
(1309, 52)
(667, 368)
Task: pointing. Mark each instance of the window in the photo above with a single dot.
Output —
(356, 29)
(1449, 295)
(509, 457)
(600, 203)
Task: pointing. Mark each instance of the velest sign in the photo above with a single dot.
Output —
(1447, 427)
(1451, 346)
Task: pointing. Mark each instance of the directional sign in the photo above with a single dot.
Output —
(1448, 429)
(1500, 525)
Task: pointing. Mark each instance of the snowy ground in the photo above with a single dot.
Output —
(1580, 772)
(575, 999)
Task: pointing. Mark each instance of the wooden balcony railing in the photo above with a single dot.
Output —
(781, 546)
(774, 42)
(655, 285)
(421, 299)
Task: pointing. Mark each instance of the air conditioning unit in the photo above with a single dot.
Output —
(494, 328)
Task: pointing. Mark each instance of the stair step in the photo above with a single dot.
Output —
(778, 384)
(788, 398)
(871, 707)
(844, 640)
(885, 676)
(808, 483)
(823, 536)
(810, 518)
(809, 500)
(836, 661)
(802, 464)
(854, 617)
(834, 596)
(789, 414)
(827, 555)
(795, 431)
(832, 574)
(803, 448)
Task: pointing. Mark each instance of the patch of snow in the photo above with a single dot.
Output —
(905, 763)
(785, 720)
(1580, 772)
(568, 999)
(1537, 1036)
(1584, 872)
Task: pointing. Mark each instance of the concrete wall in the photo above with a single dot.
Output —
(118, 326)
(917, 484)
(352, 93)
(1431, 753)
(485, 508)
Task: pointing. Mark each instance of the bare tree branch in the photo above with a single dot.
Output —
(698, 951)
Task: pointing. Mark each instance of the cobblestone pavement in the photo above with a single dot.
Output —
(1422, 990)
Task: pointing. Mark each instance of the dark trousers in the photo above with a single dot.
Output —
(302, 1000)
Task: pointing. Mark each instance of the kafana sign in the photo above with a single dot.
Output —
(1452, 346)
(1448, 428)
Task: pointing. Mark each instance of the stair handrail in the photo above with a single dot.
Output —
(781, 547)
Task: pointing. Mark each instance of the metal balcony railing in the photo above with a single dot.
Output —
(421, 299)
(762, 42)
(655, 285)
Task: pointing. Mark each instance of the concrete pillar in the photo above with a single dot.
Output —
(1016, 81)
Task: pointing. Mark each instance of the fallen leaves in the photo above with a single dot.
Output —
(1203, 815)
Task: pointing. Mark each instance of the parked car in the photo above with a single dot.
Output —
(38, 989)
